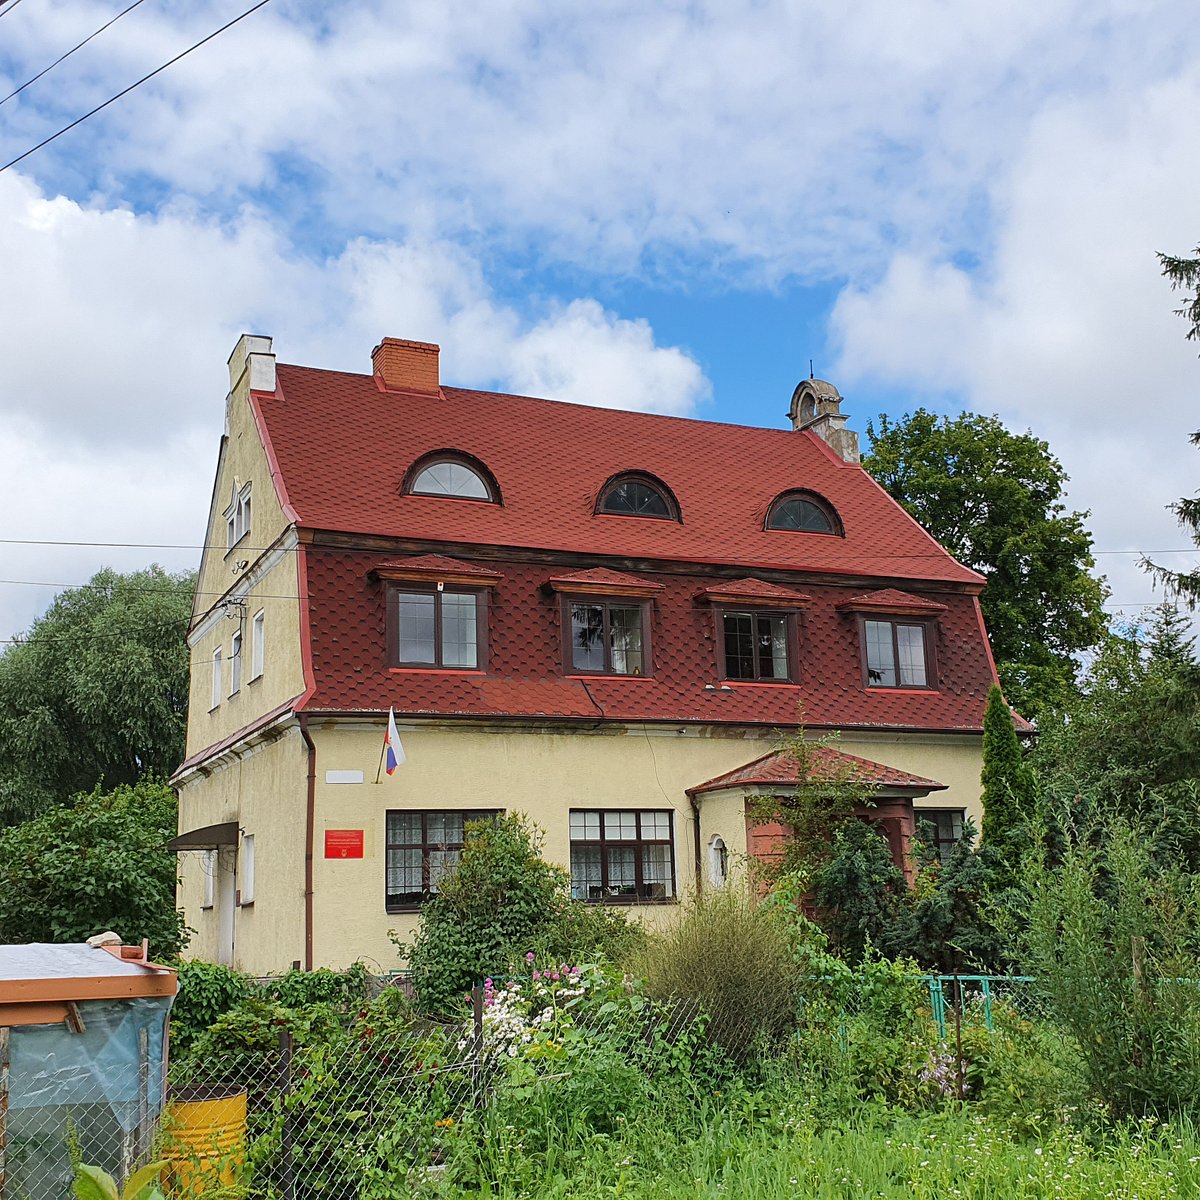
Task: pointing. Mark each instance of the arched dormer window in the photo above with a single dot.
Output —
(637, 494)
(450, 473)
(802, 512)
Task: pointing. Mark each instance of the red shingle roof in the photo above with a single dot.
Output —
(758, 590)
(783, 770)
(325, 430)
(892, 600)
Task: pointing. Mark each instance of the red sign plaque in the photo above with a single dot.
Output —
(343, 843)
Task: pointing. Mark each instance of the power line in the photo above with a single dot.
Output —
(5, 9)
(64, 57)
(130, 88)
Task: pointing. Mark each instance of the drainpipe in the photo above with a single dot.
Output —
(696, 840)
(310, 819)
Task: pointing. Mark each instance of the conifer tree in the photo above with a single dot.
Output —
(1007, 784)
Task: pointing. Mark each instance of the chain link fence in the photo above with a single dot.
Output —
(301, 1116)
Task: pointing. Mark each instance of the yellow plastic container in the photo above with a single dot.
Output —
(205, 1142)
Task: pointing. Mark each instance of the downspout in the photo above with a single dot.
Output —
(696, 840)
(310, 819)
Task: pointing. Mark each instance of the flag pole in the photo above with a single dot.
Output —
(382, 752)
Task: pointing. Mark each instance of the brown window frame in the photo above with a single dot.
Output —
(943, 845)
(926, 625)
(720, 611)
(474, 465)
(425, 846)
(836, 529)
(604, 844)
(606, 601)
(405, 588)
(653, 483)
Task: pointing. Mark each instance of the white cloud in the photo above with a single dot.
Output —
(112, 361)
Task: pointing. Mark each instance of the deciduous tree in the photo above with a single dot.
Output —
(994, 499)
(98, 864)
(96, 692)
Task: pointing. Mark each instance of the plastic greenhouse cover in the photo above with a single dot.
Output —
(72, 960)
(51, 1066)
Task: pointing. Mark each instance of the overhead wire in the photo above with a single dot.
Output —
(5, 9)
(63, 57)
(125, 91)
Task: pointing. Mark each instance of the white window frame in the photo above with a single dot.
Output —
(245, 869)
(217, 684)
(208, 868)
(258, 626)
(237, 516)
(235, 663)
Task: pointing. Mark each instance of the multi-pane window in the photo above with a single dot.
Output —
(944, 828)
(451, 478)
(608, 637)
(755, 645)
(421, 848)
(636, 497)
(800, 514)
(622, 856)
(237, 517)
(896, 654)
(438, 629)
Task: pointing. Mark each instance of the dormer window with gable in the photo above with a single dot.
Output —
(452, 475)
(605, 621)
(237, 516)
(896, 638)
(757, 627)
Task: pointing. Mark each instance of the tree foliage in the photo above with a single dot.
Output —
(1131, 740)
(1184, 274)
(1007, 784)
(96, 692)
(96, 865)
(994, 499)
(501, 901)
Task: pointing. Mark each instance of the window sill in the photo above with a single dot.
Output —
(213, 708)
(253, 679)
(610, 675)
(245, 904)
(903, 691)
(633, 901)
(416, 669)
(775, 683)
(207, 907)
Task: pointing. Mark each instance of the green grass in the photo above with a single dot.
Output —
(937, 1157)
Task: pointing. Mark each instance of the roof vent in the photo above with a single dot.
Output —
(817, 405)
(403, 366)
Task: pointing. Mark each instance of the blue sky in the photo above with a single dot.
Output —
(670, 207)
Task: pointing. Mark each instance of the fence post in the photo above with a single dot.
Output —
(286, 1165)
(937, 1001)
(962, 1077)
(477, 1044)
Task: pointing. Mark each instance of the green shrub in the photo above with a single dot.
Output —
(1111, 941)
(345, 990)
(501, 896)
(206, 991)
(734, 960)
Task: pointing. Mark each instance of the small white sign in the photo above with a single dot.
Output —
(343, 777)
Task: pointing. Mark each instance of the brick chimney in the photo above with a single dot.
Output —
(817, 405)
(403, 366)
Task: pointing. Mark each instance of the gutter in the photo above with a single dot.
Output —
(310, 816)
(699, 863)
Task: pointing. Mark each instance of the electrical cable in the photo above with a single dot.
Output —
(125, 92)
(5, 9)
(64, 57)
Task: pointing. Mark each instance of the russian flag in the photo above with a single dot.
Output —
(391, 741)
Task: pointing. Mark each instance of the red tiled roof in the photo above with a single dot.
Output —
(600, 579)
(892, 600)
(525, 676)
(753, 589)
(551, 459)
(783, 770)
(435, 564)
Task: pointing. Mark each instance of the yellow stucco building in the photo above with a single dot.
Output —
(598, 618)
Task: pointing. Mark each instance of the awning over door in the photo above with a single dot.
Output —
(211, 837)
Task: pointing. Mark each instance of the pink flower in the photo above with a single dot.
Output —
(537, 975)
(530, 956)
